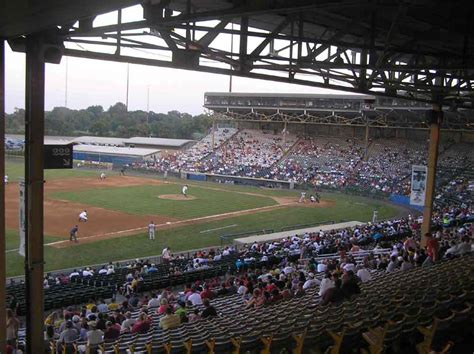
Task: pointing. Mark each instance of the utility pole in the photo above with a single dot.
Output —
(128, 83)
(66, 87)
(148, 110)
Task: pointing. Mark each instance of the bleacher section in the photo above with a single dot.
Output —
(404, 309)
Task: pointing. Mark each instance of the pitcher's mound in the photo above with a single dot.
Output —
(176, 197)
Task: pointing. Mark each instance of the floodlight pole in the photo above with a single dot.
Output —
(34, 180)
(2, 202)
(435, 124)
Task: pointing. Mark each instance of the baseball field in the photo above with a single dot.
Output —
(120, 208)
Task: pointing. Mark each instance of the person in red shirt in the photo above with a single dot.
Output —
(432, 247)
(112, 331)
(142, 325)
(207, 293)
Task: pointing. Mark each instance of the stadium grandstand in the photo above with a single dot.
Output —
(400, 285)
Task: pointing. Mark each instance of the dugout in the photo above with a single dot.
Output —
(114, 155)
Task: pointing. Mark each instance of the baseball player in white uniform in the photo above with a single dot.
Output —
(102, 176)
(302, 198)
(83, 216)
(5, 179)
(151, 230)
(184, 190)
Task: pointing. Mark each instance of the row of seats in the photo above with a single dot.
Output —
(404, 309)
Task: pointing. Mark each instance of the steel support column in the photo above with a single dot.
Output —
(435, 125)
(2, 200)
(34, 140)
(366, 118)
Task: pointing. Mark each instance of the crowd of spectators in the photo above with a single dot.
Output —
(190, 159)
(265, 274)
(384, 166)
(249, 153)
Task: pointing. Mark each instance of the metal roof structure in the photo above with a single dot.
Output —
(157, 141)
(98, 140)
(114, 150)
(416, 49)
(289, 95)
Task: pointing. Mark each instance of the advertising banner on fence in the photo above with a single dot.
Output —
(21, 219)
(418, 185)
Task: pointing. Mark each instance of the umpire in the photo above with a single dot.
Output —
(73, 233)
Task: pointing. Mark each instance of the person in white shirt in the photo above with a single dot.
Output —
(184, 190)
(154, 301)
(364, 275)
(151, 230)
(5, 179)
(102, 307)
(322, 267)
(87, 273)
(102, 271)
(128, 323)
(166, 253)
(74, 273)
(326, 283)
(311, 282)
(195, 298)
(94, 336)
(110, 270)
(83, 216)
(349, 266)
(242, 289)
(288, 270)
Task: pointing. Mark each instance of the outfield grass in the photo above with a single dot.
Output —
(191, 237)
(143, 200)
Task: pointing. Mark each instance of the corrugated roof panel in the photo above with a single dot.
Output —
(113, 150)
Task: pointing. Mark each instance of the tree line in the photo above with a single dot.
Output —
(115, 122)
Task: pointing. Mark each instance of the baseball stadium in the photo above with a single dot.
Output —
(282, 222)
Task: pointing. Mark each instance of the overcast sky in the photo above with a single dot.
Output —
(93, 82)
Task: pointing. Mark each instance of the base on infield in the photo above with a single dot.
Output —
(176, 197)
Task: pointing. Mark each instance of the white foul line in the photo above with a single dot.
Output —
(218, 228)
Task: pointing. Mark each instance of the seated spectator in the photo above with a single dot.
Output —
(209, 310)
(154, 301)
(142, 325)
(393, 264)
(299, 292)
(112, 331)
(101, 321)
(349, 284)
(164, 305)
(363, 274)
(94, 336)
(311, 282)
(406, 264)
(207, 293)
(128, 323)
(195, 297)
(326, 283)
(194, 316)
(256, 300)
(169, 320)
(68, 336)
(333, 294)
